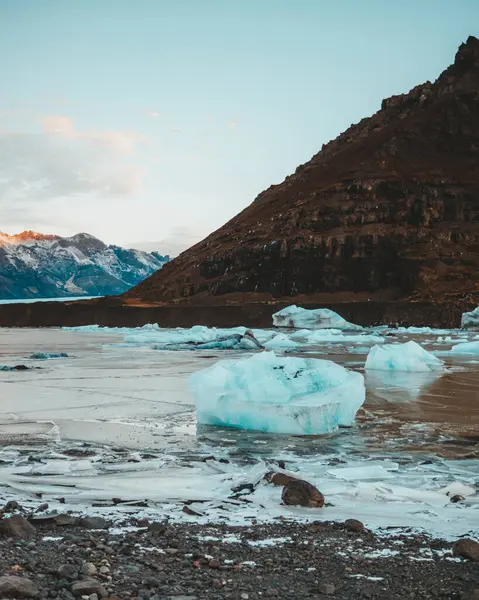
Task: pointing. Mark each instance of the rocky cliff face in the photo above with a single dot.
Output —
(34, 265)
(389, 209)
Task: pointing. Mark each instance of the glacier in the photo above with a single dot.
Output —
(278, 394)
(409, 357)
(470, 319)
(320, 318)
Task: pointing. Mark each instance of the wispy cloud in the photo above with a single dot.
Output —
(153, 114)
(62, 161)
(232, 124)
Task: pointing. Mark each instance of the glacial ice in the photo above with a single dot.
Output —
(278, 394)
(320, 318)
(47, 355)
(466, 348)
(470, 319)
(409, 357)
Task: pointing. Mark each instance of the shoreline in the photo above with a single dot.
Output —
(219, 562)
(114, 312)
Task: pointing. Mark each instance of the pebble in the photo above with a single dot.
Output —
(68, 571)
(89, 587)
(327, 589)
(93, 523)
(18, 587)
(88, 568)
(354, 525)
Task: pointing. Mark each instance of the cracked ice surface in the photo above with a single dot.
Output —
(131, 405)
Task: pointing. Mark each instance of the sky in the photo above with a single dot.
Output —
(152, 122)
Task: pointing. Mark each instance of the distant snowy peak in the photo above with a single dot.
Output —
(26, 237)
(37, 265)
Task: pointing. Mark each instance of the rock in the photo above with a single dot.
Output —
(104, 570)
(12, 586)
(327, 589)
(214, 563)
(66, 520)
(88, 587)
(279, 479)
(474, 595)
(354, 525)
(93, 597)
(189, 511)
(11, 506)
(17, 526)
(302, 493)
(68, 571)
(93, 523)
(467, 548)
(89, 569)
(157, 527)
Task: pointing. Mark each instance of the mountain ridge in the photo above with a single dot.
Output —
(387, 210)
(37, 265)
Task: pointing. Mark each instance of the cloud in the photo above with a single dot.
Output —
(61, 162)
(176, 241)
(153, 114)
(232, 124)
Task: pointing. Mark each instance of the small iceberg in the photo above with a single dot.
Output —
(233, 341)
(409, 357)
(278, 394)
(466, 348)
(470, 319)
(47, 355)
(320, 318)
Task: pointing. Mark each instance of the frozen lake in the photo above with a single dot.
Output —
(115, 419)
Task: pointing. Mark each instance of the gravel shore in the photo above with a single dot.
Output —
(189, 561)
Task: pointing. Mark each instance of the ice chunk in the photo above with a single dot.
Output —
(410, 357)
(278, 394)
(320, 318)
(470, 319)
(466, 348)
(232, 341)
(47, 355)
(281, 340)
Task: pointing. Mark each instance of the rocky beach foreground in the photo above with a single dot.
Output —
(67, 558)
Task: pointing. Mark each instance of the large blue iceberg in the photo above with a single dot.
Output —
(409, 357)
(320, 318)
(278, 394)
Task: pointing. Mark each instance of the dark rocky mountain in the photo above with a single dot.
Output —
(388, 210)
(34, 265)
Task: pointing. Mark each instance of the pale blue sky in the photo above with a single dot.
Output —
(147, 120)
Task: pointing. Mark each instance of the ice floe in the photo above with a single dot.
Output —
(470, 319)
(278, 395)
(465, 348)
(410, 357)
(320, 318)
(47, 355)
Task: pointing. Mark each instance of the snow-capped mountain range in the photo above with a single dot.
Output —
(34, 265)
